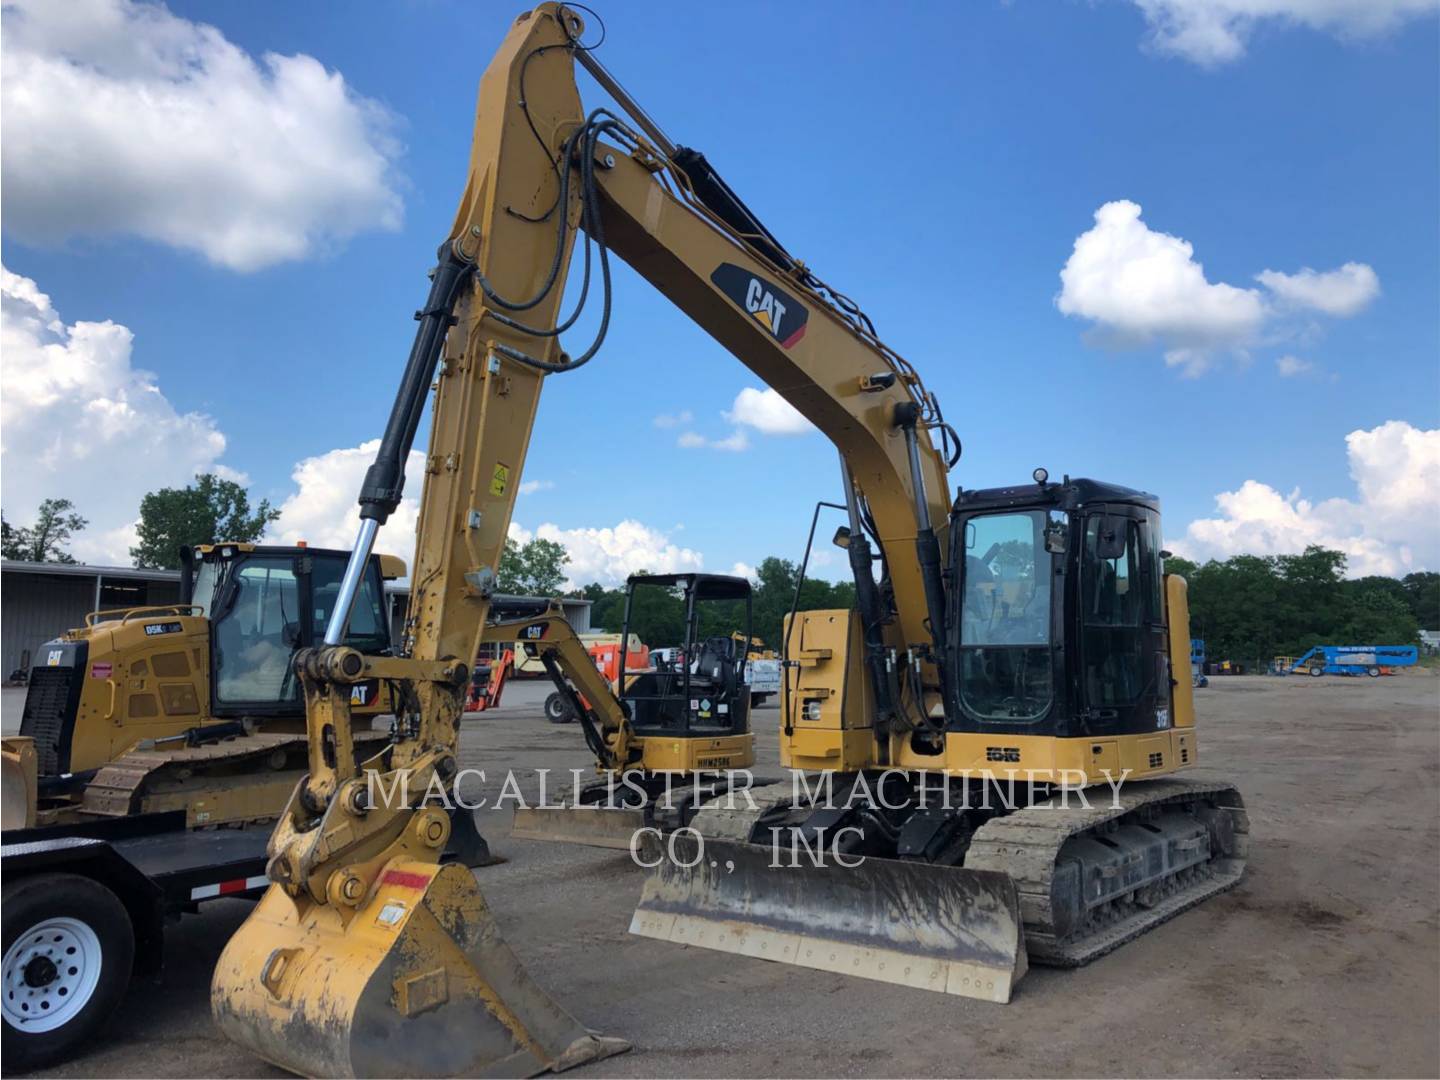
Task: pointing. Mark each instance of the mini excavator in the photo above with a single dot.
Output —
(1013, 646)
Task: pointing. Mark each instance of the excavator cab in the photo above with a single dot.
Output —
(705, 694)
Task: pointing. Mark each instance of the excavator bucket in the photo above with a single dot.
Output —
(931, 927)
(416, 982)
(603, 827)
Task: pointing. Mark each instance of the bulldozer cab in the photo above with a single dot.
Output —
(704, 693)
(266, 603)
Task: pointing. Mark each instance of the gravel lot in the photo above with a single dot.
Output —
(1324, 961)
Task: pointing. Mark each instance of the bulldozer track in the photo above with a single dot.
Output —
(1026, 845)
(120, 787)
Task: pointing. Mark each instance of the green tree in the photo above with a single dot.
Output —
(1378, 617)
(55, 523)
(209, 511)
(534, 569)
(1422, 593)
(1252, 608)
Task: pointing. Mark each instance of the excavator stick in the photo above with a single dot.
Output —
(930, 927)
(416, 981)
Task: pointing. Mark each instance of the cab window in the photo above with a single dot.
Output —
(1005, 659)
(256, 634)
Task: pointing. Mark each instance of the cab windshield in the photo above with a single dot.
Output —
(256, 633)
(1005, 662)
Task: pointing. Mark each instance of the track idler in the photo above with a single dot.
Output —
(414, 981)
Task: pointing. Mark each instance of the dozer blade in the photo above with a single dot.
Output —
(931, 927)
(17, 783)
(417, 983)
(595, 826)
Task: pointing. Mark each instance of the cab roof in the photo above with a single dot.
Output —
(1071, 493)
(705, 586)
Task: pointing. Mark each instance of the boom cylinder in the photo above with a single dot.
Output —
(867, 601)
(927, 549)
(385, 479)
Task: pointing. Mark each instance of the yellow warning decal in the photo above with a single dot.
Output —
(500, 481)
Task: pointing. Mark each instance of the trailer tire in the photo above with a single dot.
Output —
(757, 700)
(1316, 672)
(1373, 672)
(557, 709)
(78, 976)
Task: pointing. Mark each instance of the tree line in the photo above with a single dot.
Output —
(210, 510)
(1252, 608)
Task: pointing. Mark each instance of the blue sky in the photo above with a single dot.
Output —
(936, 162)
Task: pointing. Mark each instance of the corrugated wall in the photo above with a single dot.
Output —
(35, 608)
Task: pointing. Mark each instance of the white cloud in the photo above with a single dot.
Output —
(121, 118)
(529, 487)
(1343, 292)
(1389, 527)
(1140, 287)
(1290, 366)
(77, 421)
(735, 442)
(1214, 32)
(674, 420)
(766, 411)
(745, 570)
(610, 555)
(323, 510)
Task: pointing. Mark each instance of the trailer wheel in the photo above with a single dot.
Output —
(757, 700)
(1373, 672)
(557, 709)
(69, 948)
(1316, 672)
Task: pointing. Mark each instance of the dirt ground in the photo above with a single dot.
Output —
(1324, 961)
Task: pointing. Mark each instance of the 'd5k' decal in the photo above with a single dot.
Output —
(775, 310)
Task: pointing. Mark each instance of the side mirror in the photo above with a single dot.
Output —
(1055, 540)
(842, 537)
(1111, 538)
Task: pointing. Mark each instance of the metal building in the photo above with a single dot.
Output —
(40, 601)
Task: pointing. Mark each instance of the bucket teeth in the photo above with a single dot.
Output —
(416, 982)
(933, 928)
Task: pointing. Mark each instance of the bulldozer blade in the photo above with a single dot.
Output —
(932, 927)
(18, 784)
(595, 826)
(417, 981)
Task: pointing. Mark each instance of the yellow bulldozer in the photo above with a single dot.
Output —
(1010, 650)
(193, 706)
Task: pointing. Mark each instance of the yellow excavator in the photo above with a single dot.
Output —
(1010, 649)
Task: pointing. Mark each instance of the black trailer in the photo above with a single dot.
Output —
(86, 905)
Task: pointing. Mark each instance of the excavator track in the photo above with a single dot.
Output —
(1140, 888)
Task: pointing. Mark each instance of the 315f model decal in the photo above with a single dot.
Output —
(774, 309)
